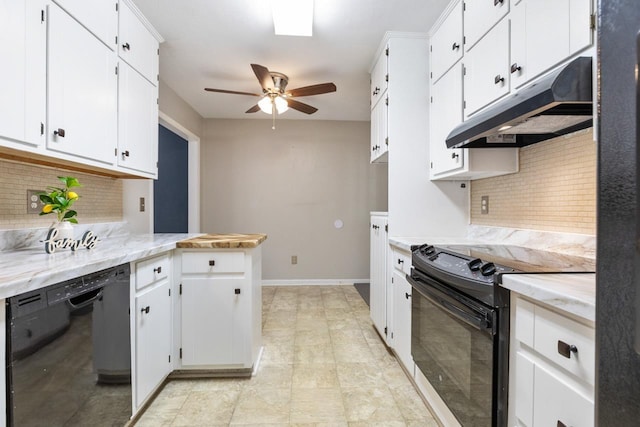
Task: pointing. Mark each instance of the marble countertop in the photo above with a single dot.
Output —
(223, 241)
(571, 292)
(29, 269)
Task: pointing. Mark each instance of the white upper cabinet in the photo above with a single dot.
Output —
(487, 69)
(447, 43)
(137, 122)
(23, 77)
(98, 16)
(136, 45)
(380, 78)
(379, 132)
(546, 32)
(480, 16)
(82, 91)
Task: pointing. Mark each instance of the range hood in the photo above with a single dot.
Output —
(555, 105)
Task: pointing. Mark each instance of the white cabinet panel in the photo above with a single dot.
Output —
(379, 131)
(447, 43)
(379, 78)
(98, 16)
(136, 45)
(153, 340)
(523, 371)
(480, 16)
(137, 121)
(402, 319)
(487, 69)
(378, 274)
(82, 95)
(213, 262)
(215, 321)
(23, 77)
(152, 270)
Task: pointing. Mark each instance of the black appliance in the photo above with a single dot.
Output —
(618, 216)
(557, 104)
(68, 352)
(460, 322)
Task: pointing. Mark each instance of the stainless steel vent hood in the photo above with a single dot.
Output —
(557, 104)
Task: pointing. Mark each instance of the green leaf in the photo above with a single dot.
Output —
(46, 199)
(72, 182)
(72, 220)
(69, 214)
(45, 213)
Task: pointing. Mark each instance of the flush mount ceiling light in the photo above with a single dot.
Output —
(292, 17)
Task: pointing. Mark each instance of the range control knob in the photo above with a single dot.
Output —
(488, 269)
(474, 264)
(427, 249)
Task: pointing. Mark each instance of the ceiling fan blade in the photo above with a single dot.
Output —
(233, 92)
(312, 90)
(297, 105)
(253, 109)
(264, 76)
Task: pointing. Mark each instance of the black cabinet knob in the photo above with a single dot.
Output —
(488, 269)
(497, 2)
(455, 155)
(59, 132)
(407, 295)
(400, 261)
(158, 270)
(455, 46)
(515, 67)
(126, 46)
(561, 424)
(237, 291)
(566, 349)
(498, 79)
(212, 262)
(474, 264)
(125, 154)
(145, 310)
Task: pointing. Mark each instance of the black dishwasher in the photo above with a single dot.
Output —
(69, 352)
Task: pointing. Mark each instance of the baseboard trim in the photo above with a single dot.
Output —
(307, 282)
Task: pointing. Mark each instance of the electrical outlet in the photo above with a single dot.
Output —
(484, 205)
(294, 259)
(141, 204)
(34, 205)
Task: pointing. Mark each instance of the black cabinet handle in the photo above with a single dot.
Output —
(375, 227)
(455, 155)
(407, 295)
(566, 349)
(498, 79)
(145, 310)
(60, 132)
(212, 262)
(126, 46)
(237, 291)
(400, 261)
(455, 46)
(515, 67)
(497, 2)
(125, 154)
(158, 270)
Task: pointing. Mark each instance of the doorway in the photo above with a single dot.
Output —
(171, 189)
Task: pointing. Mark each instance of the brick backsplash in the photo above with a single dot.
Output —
(555, 189)
(100, 197)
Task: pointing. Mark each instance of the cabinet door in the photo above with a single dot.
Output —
(23, 81)
(153, 340)
(378, 274)
(446, 113)
(82, 91)
(136, 45)
(379, 130)
(214, 322)
(480, 16)
(137, 121)
(487, 69)
(98, 16)
(446, 43)
(402, 319)
(379, 78)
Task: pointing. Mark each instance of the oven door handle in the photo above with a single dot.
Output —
(452, 306)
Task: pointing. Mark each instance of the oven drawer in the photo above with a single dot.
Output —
(401, 261)
(152, 270)
(566, 342)
(206, 262)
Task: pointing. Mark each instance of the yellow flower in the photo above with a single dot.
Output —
(47, 208)
(72, 195)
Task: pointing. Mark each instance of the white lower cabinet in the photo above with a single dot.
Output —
(402, 309)
(378, 273)
(552, 371)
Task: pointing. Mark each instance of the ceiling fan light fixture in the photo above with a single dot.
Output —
(265, 105)
(281, 104)
(292, 17)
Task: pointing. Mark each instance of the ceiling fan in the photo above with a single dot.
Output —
(275, 97)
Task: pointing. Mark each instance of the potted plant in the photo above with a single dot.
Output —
(59, 200)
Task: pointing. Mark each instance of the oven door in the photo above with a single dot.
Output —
(453, 343)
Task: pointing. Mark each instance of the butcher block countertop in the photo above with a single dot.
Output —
(223, 241)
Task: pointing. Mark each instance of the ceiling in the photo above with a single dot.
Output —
(210, 43)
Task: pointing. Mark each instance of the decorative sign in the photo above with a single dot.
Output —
(89, 241)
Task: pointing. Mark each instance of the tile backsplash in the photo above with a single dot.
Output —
(555, 189)
(100, 197)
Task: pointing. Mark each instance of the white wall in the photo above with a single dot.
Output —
(292, 183)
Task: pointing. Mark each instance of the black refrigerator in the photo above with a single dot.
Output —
(618, 227)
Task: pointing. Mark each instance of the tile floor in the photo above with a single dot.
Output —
(323, 365)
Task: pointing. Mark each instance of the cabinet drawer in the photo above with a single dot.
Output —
(556, 401)
(401, 261)
(152, 270)
(552, 330)
(213, 262)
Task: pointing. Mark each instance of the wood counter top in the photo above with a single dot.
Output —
(223, 241)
